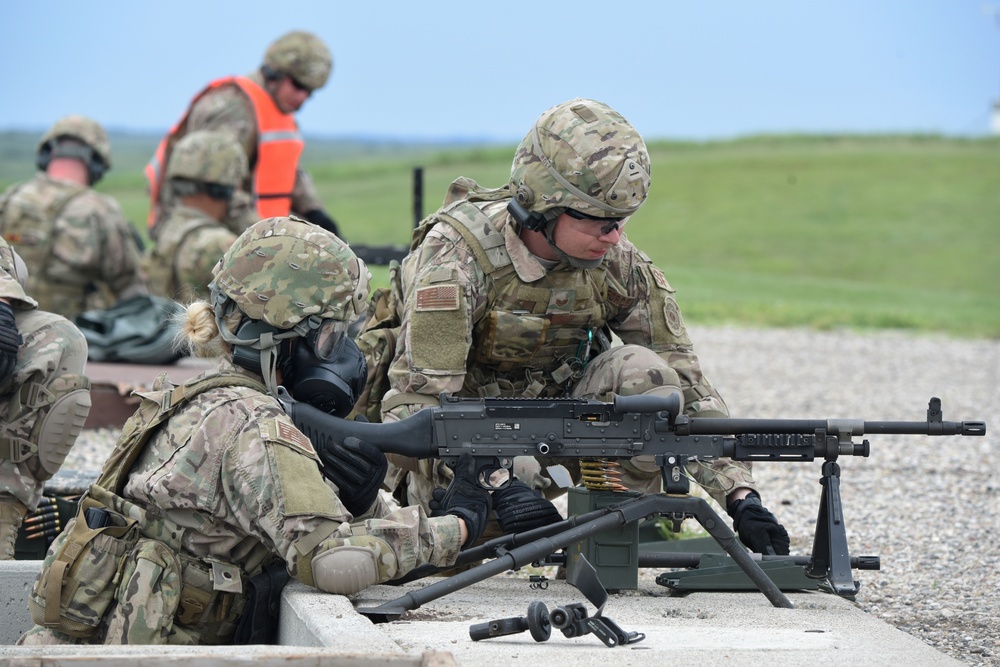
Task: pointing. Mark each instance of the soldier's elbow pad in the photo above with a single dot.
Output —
(345, 570)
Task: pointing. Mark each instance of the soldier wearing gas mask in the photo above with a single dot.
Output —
(235, 486)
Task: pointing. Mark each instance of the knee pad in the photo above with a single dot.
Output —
(45, 420)
(345, 570)
(61, 426)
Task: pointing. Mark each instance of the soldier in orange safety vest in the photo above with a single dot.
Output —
(259, 110)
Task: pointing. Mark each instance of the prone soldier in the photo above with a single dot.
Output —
(221, 486)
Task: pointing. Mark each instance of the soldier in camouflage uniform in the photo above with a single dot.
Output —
(295, 66)
(44, 396)
(81, 252)
(515, 292)
(241, 486)
(204, 170)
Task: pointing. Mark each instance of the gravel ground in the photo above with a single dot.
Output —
(926, 506)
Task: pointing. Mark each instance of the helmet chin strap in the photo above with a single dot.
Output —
(576, 262)
(267, 343)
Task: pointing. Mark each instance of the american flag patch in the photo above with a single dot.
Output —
(292, 436)
(437, 297)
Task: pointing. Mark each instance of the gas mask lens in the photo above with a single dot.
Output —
(329, 369)
(324, 340)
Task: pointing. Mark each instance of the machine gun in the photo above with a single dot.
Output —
(495, 430)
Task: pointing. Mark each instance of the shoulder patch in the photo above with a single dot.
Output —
(281, 431)
(437, 297)
(439, 276)
(660, 279)
(672, 313)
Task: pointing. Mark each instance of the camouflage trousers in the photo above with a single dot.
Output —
(48, 376)
(625, 370)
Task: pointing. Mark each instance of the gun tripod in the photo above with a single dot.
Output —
(830, 558)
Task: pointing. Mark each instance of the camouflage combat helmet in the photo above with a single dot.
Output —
(584, 155)
(283, 270)
(208, 157)
(84, 130)
(288, 277)
(301, 55)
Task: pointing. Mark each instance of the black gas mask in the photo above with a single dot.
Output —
(328, 370)
(324, 368)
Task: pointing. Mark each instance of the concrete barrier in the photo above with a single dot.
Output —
(308, 617)
(16, 579)
(311, 624)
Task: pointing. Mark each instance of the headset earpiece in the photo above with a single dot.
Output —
(519, 209)
(95, 168)
(77, 150)
(44, 157)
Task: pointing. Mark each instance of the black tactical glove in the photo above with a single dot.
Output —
(519, 509)
(465, 499)
(757, 527)
(358, 469)
(319, 217)
(10, 341)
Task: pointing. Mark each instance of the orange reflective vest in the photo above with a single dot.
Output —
(279, 146)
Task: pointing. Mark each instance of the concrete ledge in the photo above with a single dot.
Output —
(717, 628)
(309, 619)
(210, 656)
(16, 579)
(312, 618)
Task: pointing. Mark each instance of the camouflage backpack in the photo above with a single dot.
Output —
(378, 339)
(102, 551)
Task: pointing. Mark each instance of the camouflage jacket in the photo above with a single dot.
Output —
(516, 329)
(188, 246)
(80, 251)
(233, 473)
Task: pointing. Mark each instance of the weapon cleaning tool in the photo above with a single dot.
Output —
(571, 619)
(536, 621)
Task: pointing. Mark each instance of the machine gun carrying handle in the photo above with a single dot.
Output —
(673, 405)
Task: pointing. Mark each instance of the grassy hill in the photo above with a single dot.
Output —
(838, 231)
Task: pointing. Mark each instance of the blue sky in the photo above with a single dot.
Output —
(485, 70)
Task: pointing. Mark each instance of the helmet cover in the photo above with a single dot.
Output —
(284, 270)
(208, 157)
(584, 155)
(82, 129)
(301, 55)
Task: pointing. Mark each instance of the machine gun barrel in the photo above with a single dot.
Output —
(702, 426)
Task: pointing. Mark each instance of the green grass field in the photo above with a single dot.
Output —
(858, 232)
